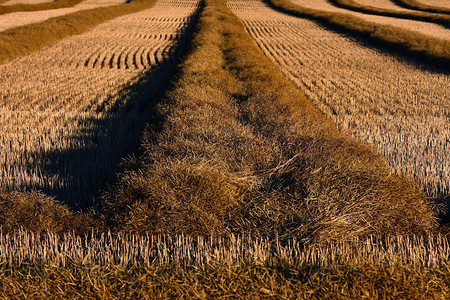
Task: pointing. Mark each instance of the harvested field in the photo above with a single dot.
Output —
(437, 3)
(272, 200)
(17, 19)
(390, 10)
(184, 267)
(384, 4)
(240, 149)
(424, 6)
(401, 109)
(6, 9)
(14, 2)
(433, 30)
(66, 125)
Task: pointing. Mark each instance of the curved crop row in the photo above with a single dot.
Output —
(383, 4)
(396, 13)
(65, 121)
(429, 29)
(435, 6)
(13, 2)
(411, 43)
(17, 19)
(19, 41)
(29, 7)
(401, 109)
(436, 3)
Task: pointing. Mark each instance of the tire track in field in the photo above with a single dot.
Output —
(22, 18)
(433, 30)
(401, 109)
(71, 110)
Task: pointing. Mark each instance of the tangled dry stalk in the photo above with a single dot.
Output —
(240, 149)
(66, 126)
(161, 267)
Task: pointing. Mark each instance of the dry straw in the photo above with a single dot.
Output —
(434, 6)
(396, 12)
(416, 44)
(242, 150)
(16, 42)
(379, 98)
(6, 9)
(238, 148)
(65, 126)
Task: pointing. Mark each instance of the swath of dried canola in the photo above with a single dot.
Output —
(13, 2)
(384, 4)
(388, 9)
(436, 3)
(17, 19)
(404, 111)
(433, 30)
(36, 6)
(68, 112)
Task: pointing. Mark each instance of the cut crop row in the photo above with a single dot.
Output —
(66, 124)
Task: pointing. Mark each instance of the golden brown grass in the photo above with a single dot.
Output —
(240, 149)
(384, 4)
(426, 5)
(236, 147)
(382, 100)
(426, 28)
(413, 15)
(13, 2)
(36, 213)
(24, 40)
(70, 111)
(409, 42)
(130, 267)
(18, 19)
(6, 9)
(436, 3)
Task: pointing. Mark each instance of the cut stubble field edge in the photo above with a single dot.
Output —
(297, 169)
(36, 7)
(230, 100)
(413, 4)
(411, 45)
(418, 16)
(19, 41)
(241, 149)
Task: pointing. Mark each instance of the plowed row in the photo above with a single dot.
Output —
(426, 28)
(69, 111)
(401, 109)
(17, 19)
